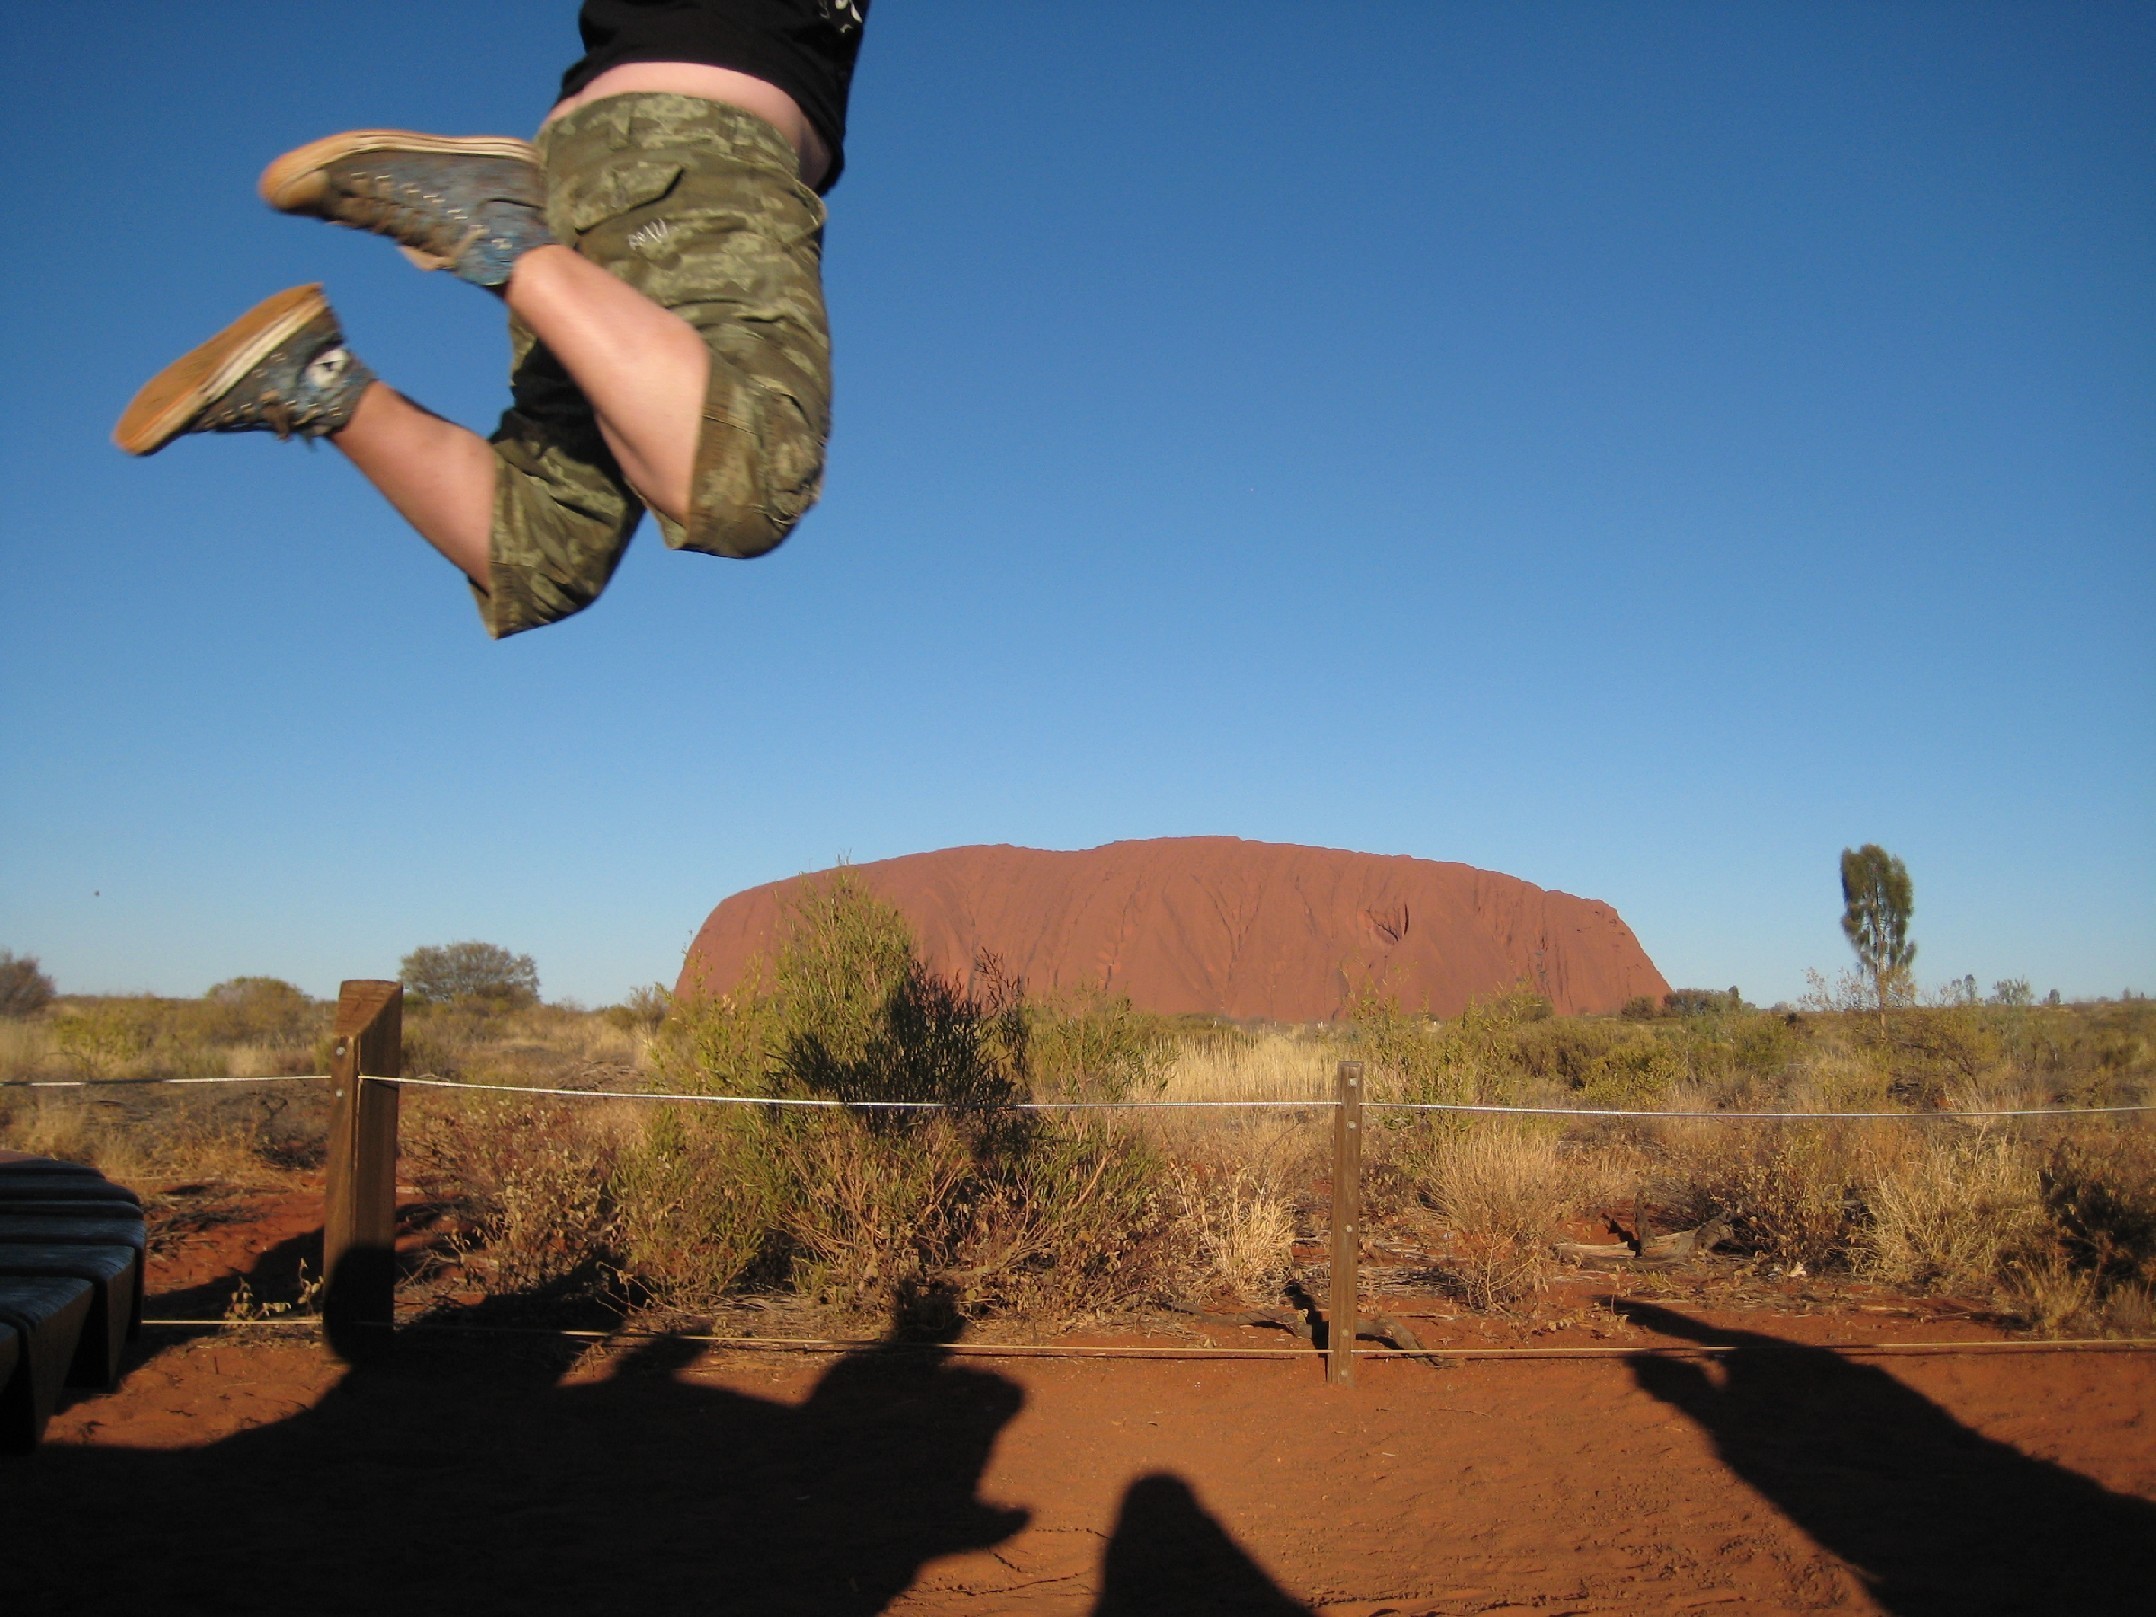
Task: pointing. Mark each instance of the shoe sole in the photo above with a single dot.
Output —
(180, 392)
(295, 182)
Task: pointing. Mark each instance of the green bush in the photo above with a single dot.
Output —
(1094, 1045)
(24, 988)
(985, 1206)
(460, 973)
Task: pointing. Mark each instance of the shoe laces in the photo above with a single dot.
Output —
(406, 211)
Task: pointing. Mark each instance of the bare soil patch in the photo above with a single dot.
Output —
(241, 1471)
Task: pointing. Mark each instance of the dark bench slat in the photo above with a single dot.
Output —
(10, 1352)
(71, 1229)
(83, 1207)
(48, 1316)
(115, 1272)
(59, 1179)
(65, 1229)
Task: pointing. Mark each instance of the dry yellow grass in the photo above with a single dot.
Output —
(1265, 1066)
(1952, 1212)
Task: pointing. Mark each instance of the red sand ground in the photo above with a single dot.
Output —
(1216, 925)
(516, 1474)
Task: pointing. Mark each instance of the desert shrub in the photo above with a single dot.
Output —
(24, 988)
(529, 1177)
(931, 1039)
(2049, 1294)
(643, 1010)
(1795, 1191)
(988, 1208)
(449, 973)
(1084, 1228)
(244, 1010)
(1238, 1223)
(2100, 1193)
(26, 1047)
(101, 1038)
(1598, 1063)
(1066, 1220)
(1475, 1056)
(1762, 1045)
(1952, 1212)
(701, 1196)
(1094, 1045)
(1499, 1188)
(1702, 1001)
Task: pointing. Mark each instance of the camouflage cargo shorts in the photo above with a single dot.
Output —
(698, 206)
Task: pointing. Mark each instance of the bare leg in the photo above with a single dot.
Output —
(439, 476)
(643, 368)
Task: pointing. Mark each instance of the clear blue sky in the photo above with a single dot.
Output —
(1639, 448)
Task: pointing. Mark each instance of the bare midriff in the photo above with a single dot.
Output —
(766, 100)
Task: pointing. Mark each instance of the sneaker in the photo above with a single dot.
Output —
(281, 367)
(471, 204)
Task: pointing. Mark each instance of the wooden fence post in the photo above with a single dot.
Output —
(359, 1205)
(1347, 1225)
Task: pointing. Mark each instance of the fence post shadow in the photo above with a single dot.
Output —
(1936, 1518)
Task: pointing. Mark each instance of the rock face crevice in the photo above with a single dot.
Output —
(1220, 926)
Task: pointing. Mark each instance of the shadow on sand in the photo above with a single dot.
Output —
(464, 1473)
(1939, 1520)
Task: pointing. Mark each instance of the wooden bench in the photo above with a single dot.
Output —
(71, 1279)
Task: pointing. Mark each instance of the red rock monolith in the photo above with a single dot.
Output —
(1220, 926)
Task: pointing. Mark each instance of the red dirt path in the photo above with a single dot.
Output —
(517, 1473)
(1220, 926)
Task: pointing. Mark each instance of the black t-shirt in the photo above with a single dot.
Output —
(805, 47)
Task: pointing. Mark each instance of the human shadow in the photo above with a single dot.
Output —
(464, 1471)
(1939, 1520)
(1170, 1558)
(276, 1274)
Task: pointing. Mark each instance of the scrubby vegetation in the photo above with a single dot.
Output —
(991, 1213)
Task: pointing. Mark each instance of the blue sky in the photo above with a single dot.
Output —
(1641, 449)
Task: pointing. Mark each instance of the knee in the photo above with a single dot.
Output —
(759, 467)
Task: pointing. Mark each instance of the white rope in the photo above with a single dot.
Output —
(1793, 1117)
(825, 1103)
(828, 1104)
(142, 1083)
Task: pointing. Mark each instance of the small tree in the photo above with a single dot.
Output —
(447, 973)
(1877, 900)
(24, 988)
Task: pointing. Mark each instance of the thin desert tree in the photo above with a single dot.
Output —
(1877, 901)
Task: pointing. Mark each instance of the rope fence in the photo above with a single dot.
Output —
(145, 1083)
(1316, 1103)
(359, 1223)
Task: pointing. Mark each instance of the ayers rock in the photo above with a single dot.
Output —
(1216, 925)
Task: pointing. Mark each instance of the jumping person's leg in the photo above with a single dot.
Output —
(663, 278)
(438, 475)
(477, 206)
(282, 367)
(683, 215)
(643, 369)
